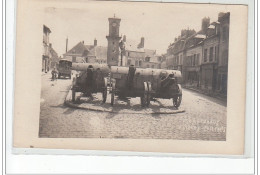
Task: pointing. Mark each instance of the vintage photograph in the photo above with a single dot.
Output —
(131, 72)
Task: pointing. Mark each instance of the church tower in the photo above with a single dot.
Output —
(113, 41)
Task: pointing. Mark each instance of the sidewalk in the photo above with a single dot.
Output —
(212, 94)
(43, 73)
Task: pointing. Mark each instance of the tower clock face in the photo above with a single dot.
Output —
(114, 24)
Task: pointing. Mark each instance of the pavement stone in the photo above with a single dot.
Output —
(204, 118)
(131, 106)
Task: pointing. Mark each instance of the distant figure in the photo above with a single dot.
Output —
(54, 74)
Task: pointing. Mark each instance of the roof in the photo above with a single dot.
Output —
(200, 36)
(78, 59)
(78, 49)
(149, 52)
(211, 27)
(154, 59)
(131, 45)
(100, 52)
(46, 29)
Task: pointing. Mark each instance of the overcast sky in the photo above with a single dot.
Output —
(159, 23)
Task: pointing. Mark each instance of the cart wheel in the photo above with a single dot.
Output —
(177, 99)
(73, 95)
(104, 93)
(113, 93)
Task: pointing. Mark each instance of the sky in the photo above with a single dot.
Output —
(158, 23)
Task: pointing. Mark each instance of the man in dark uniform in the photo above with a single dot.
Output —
(89, 81)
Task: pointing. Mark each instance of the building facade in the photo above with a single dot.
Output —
(113, 42)
(46, 49)
(224, 20)
(54, 58)
(202, 56)
(209, 67)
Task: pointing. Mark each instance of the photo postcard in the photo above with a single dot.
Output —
(130, 76)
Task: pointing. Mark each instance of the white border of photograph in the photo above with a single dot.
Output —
(108, 164)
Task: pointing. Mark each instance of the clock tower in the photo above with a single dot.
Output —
(113, 41)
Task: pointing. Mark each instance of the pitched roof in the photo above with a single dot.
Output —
(132, 45)
(78, 49)
(78, 59)
(100, 52)
(149, 52)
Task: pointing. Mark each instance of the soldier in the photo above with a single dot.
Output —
(89, 81)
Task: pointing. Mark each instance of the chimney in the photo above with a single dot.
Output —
(205, 24)
(124, 38)
(142, 43)
(95, 42)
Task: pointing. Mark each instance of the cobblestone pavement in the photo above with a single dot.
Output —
(204, 118)
(126, 106)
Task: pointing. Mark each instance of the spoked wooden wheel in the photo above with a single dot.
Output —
(113, 93)
(178, 97)
(104, 93)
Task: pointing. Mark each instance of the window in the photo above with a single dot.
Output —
(129, 62)
(211, 54)
(136, 62)
(198, 59)
(194, 59)
(205, 55)
(181, 60)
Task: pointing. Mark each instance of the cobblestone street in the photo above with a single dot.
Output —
(204, 118)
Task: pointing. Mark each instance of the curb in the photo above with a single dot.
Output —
(68, 103)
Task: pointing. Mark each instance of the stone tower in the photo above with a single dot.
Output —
(113, 41)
